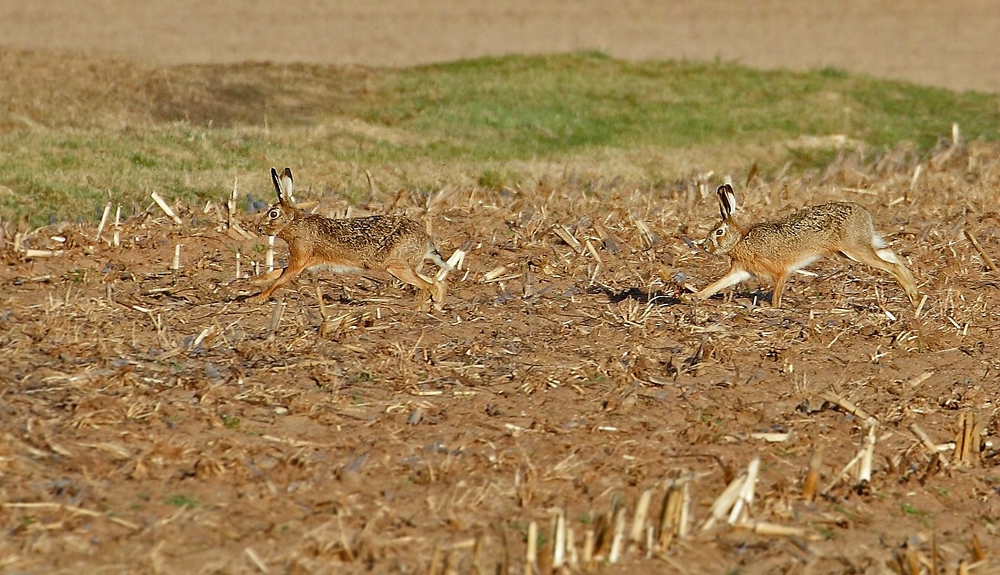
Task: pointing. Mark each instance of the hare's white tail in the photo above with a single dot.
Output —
(887, 255)
(882, 251)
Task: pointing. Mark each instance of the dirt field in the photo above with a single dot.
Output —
(948, 44)
(153, 422)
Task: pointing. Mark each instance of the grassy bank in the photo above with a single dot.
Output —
(80, 132)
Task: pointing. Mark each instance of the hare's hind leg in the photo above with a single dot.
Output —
(406, 274)
(735, 276)
(885, 259)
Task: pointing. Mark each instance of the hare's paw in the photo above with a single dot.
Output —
(256, 299)
(689, 298)
(265, 277)
(438, 292)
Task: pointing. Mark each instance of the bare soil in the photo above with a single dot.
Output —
(154, 422)
(948, 44)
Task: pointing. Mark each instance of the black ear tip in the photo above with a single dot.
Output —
(287, 172)
(725, 188)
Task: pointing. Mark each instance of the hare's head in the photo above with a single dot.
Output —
(283, 212)
(728, 233)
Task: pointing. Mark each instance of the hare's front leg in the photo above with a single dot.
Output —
(439, 290)
(295, 267)
(735, 276)
(779, 288)
(284, 278)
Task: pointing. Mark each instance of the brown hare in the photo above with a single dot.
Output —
(776, 249)
(395, 244)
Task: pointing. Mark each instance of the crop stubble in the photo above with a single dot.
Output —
(153, 421)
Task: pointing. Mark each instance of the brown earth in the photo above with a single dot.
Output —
(949, 44)
(153, 422)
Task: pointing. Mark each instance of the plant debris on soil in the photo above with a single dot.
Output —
(570, 408)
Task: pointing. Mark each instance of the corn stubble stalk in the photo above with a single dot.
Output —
(231, 204)
(476, 568)
(104, 222)
(812, 476)
(867, 455)
(849, 407)
(929, 446)
(176, 263)
(588, 548)
(614, 536)
(166, 208)
(649, 238)
(279, 309)
(256, 560)
(233, 226)
(32, 254)
(982, 253)
(746, 493)
(531, 552)
(968, 439)
(494, 274)
(673, 515)
(559, 540)
(638, 531)
(449, 564)
(269, 255)
(435, 565)
(565, 235)
(723, 503)
(618, 541)
(572, 559)
(456, 261)
(116, 237)
(504, 567)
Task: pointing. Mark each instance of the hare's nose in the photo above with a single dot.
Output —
(260, 230)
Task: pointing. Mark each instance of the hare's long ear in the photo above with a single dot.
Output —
(284, 186)
(276, 182)
(727, 200)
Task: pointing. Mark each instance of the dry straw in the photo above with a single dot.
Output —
(567, 392)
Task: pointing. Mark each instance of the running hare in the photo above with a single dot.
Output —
(395, 244)
(776, 249)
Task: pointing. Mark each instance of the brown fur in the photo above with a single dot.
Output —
(395, 244)
(778, 248)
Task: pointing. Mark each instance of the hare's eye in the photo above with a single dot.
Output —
(720, 232)
(273, 214)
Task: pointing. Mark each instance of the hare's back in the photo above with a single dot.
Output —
(815, 223)
(372, 239)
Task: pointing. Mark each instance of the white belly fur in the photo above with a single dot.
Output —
(803, 262)
(336, 268)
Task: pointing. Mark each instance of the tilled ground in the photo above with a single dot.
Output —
(152, 421)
